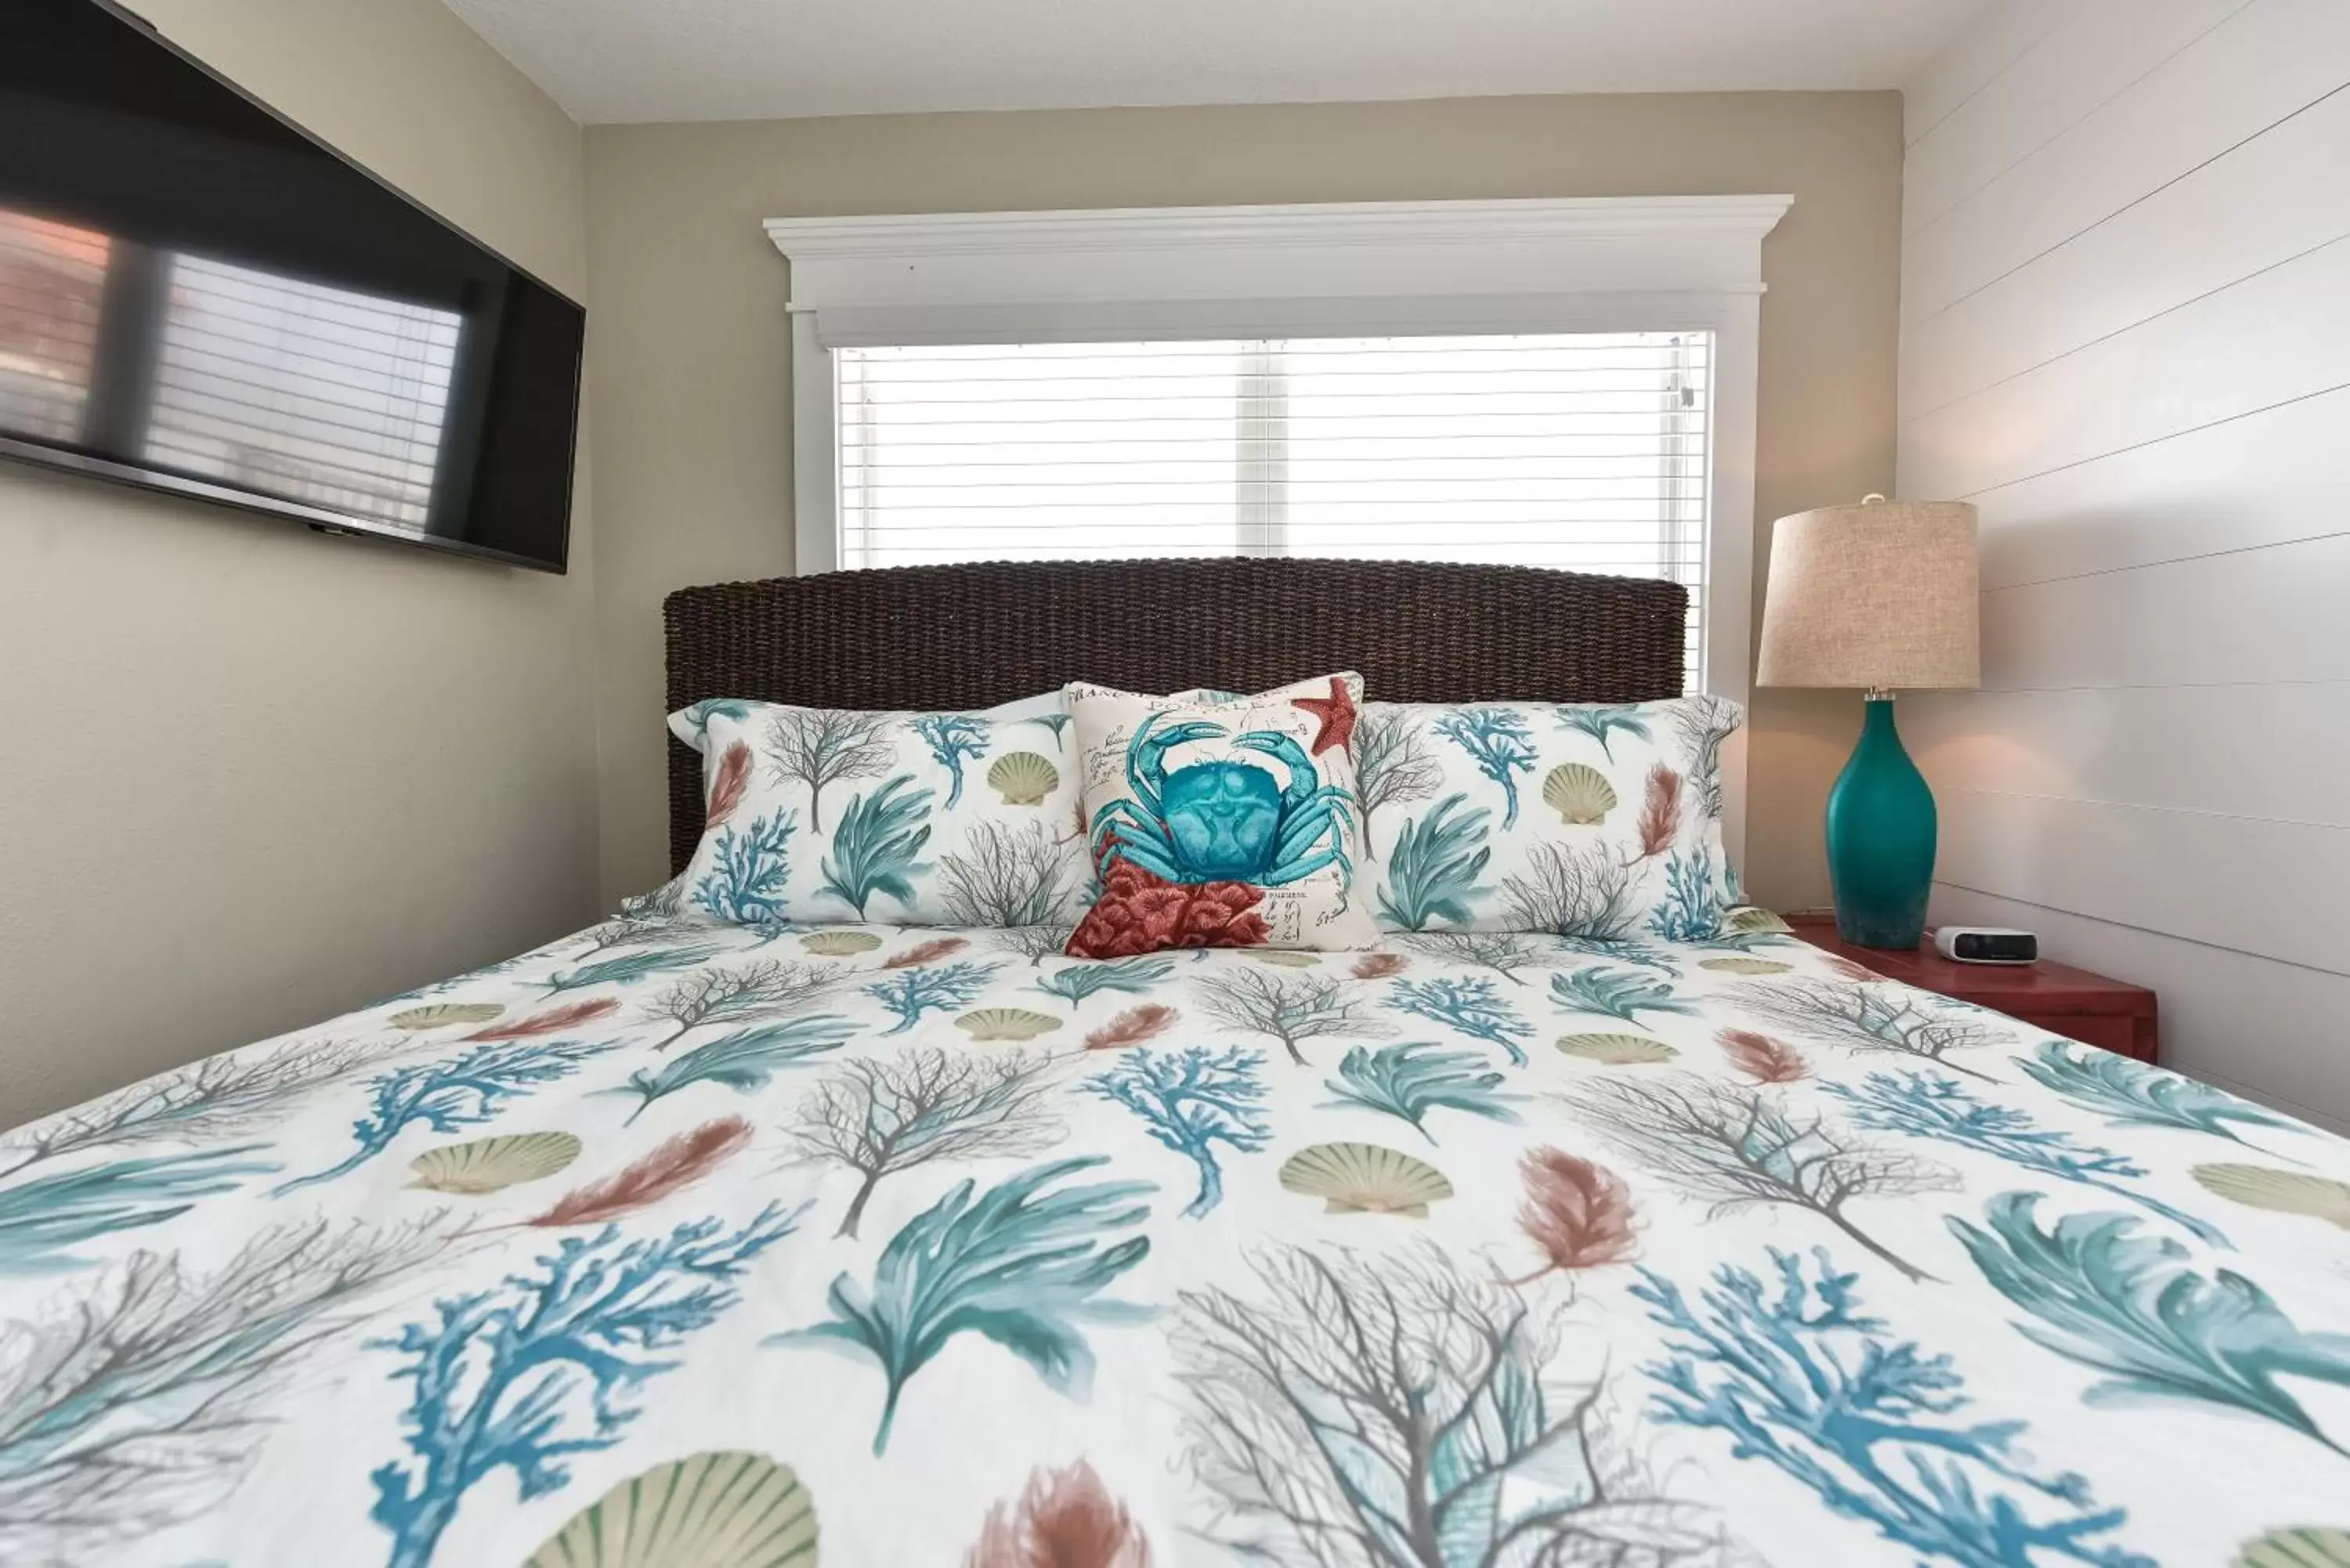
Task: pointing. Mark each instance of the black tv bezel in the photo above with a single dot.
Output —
(163, 481)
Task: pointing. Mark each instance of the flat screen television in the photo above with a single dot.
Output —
(198, 296)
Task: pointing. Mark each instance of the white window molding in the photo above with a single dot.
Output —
(1574, 265)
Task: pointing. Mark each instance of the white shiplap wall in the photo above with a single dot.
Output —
(2126, 337)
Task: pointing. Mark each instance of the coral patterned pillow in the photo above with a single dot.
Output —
(1599, 821)
(921, 819)
(1219, 822)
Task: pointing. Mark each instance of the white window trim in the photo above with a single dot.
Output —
(1340, 269)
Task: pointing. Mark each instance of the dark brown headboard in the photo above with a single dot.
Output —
(946, 638)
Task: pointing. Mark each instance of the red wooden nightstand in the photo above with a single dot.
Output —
(2056, 997)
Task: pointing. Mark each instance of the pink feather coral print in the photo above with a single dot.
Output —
(728, 785)
(1844, 968)
(1132, 1027)
(1660, 811)
(1763, 1058)
(926, 953)
(676, 1163)
(554, 1021)
(1577, 1213)
(1379, 965)
(1064, 1519)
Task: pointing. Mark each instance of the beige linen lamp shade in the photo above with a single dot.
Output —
(1879, 595)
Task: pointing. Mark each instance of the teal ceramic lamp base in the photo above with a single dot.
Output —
(1881, 832)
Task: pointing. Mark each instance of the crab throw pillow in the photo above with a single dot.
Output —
(1590, 820)
(816, 815)
(1220, 821)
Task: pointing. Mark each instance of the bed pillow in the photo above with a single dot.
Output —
(1588, 820)
(917, 819)
(1218, 823)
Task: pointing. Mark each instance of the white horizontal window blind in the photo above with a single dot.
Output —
(320, 395)
(1584, 451)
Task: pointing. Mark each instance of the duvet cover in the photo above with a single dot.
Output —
(675, 1246)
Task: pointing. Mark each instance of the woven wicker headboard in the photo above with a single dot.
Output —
(946, 638)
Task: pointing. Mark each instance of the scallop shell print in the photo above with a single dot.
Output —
(2315, 1547)
(839, 944)
(1364, 1178)
(1023, 778)
(2283, 1191)
(492, 1163)
(1744, 966)
(724, 1510)
(1006, 1023)
(1753, 917)
(1617, 1050)
(1579, 793)
(442, 1014)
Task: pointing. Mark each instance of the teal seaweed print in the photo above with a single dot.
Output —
(628, 968)
(1018, 1264)
(1616, 993)
(1134, 976)
(546, 1364)
(744, 1061)
(1056, 722)
(1599, 721)
(1433, 867)
(41, 1217)
(1473, 1007)
(1192, 1100)
(1798, 1377)
(953, 739)
(1499, 742)
(1409, 1080)
(750, 868)
(2133, 1308)
(697, 716)
(915, 992)
(1621, 950)
(460, 1091)
(875, 844)
(1924, 1106)
(2127, 1093)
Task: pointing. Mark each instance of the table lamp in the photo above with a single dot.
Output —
(1878, 596)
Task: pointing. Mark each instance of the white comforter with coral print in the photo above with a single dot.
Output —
(680, 1247)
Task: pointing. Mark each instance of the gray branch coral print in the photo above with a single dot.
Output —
(819, 747)
(1351, 1411)
(1734, 1147)
(878, 1115)
(140, 1398)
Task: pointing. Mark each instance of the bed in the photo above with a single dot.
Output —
(674, 1244)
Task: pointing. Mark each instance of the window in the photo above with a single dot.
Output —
(1562, 381)
(1584, 451)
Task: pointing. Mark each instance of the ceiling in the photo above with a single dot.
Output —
(622, 60)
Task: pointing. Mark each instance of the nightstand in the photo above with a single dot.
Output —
(2056, 997)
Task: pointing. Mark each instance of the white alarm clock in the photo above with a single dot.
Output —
(1986, 944)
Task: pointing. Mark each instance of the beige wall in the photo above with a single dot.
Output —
(256, 777)
(692, 378)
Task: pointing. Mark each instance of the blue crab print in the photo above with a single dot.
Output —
(1222, 821)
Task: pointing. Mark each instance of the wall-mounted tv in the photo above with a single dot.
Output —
(197, 296)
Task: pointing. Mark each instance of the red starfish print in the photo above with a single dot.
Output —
(1336, 712)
